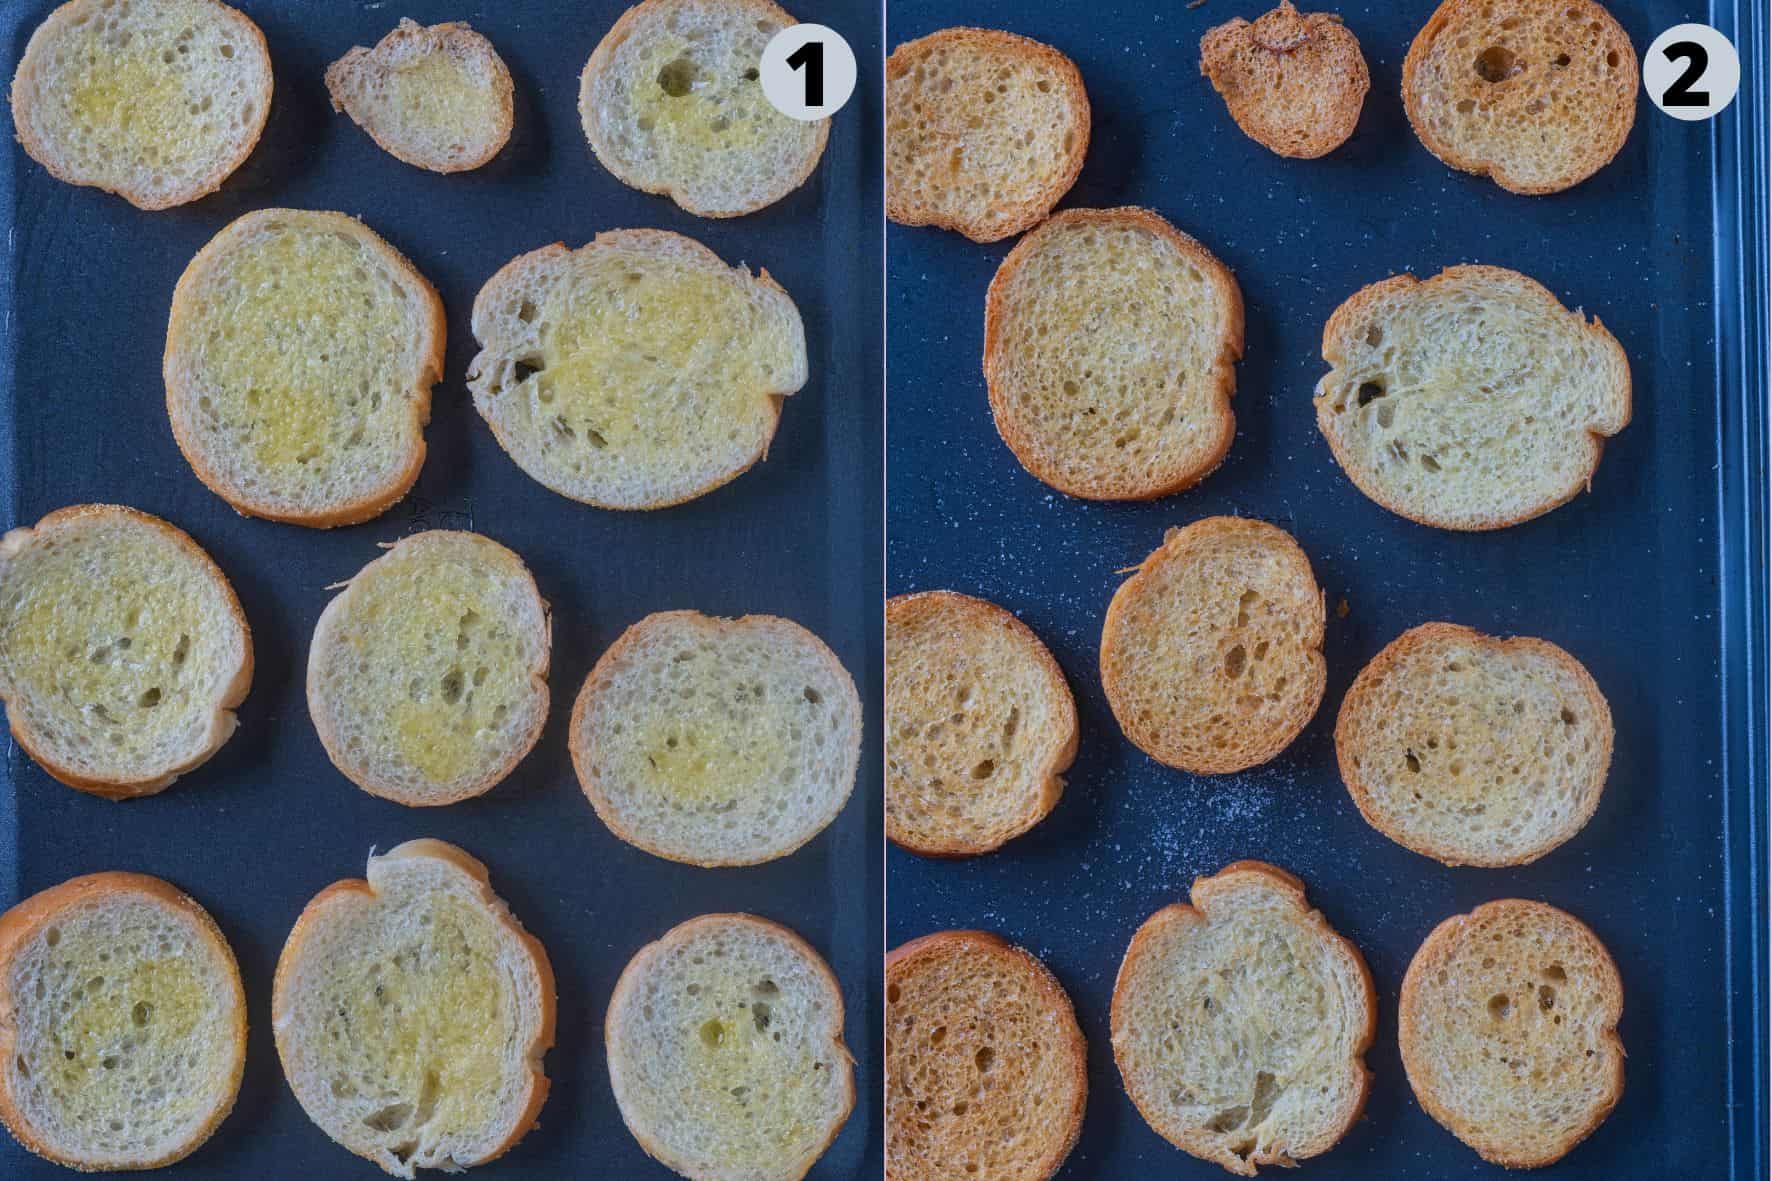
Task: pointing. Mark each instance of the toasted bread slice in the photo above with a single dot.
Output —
(123, 650)
(726, 1054)
(1536, 96)
(986, 1070)
(412, 1012)
(436, 97)
(300, 357)
(1109, 337)
(1294, 82)
(1508, 1025)
(1212, 652)
(122, 1023)
(985, 132)
(1471, 401)
(717, 741)
(671, 103)
(980, 725)
(157, 101)
(636, 372)
(428, 674)
(1240, 1023)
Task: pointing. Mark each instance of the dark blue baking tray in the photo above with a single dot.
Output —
(255, 833)
(1656, 581)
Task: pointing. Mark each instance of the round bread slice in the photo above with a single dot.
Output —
(1294, 82)
(1240, 1023)
(437, 97)
(1109, 340)
(636, 372)
(412, 1012)
(1473, 750)
(986, 1070)
(717, 741)
(1536, 96)
(299, 363)
(1508, 1025)
(980, 725)
(157, 101)
(726, 1054)
(1212, 652)
(1471, 401)
(428, 674)
(122, 1023)
(123, 650)
(985, 132)
(671, 103)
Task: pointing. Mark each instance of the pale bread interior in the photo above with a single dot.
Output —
(437, 97)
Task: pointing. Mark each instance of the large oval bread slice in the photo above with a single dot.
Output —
(985, 131)
(717, 741)
(1473, 400)
(1474, 750)
(636, 372)
(1294, 82)
(427, 676)
(671, 103)
(1212, 652)
(726, 1054)
(980, 725)
(1109, 337)
(1240, 1022)
(1508, 1025)
(122, 1023)
(412, 1012)
(157, 101)
(123, 650)
(986, 1070)
(299, 362)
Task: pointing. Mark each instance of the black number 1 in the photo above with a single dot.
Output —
(1681, 94)
(811, 56)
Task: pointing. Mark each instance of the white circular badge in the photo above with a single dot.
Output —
(1691, 72)
(808, 72)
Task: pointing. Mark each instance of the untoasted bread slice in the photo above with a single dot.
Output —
(1294, 82)
(1109, 337)
(980, 725)
(123, 649)
(1212, 652)
(986, 1070)
(1240, 1023)
(725, 1044)
(437, 97)
(1508, 1025)
(122, 1023)
(158, 101)
(299, 362)
(985, 131)
(1473, 400)
(412, 1012)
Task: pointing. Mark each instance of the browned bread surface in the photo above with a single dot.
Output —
(1294, 82)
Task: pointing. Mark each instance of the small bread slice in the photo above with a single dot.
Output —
(1508, 1025)
(1536, 96)
(1294, 82)
(1212, 652)
(1240, 1023)
(436, 98)
(157, 101)
(299, 362)
(428, 673)
(1471, 401)
(986, 1070)
(412, 1012)
(671, 103)
(717, 741)
(122, 1023)
(726, 1054)
(123, 649)
(980, 725)
(1109, 337)
(636, 372)
(985, 132)
(1473, 750)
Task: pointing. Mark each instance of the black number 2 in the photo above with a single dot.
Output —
(811, 57)
(1681, 94)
